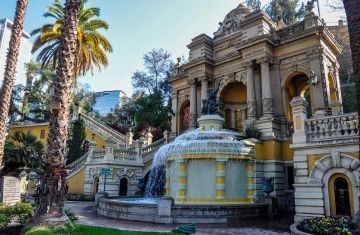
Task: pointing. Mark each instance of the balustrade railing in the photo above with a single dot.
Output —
(152, 147)
(124, 154)
(102, 127)
(332, 127)
(77, 164)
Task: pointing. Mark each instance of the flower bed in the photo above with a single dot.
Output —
(328, 226)
(79, 197)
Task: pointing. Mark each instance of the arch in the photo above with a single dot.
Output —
(296, 84)
(96, 182)
(233, 98)
(184, 122)
(333, 91)
(332, 164)
(123, 187)
(340, 195)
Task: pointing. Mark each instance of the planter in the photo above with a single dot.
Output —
(295, 231)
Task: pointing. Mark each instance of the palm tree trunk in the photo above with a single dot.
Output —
(352, 9)
(53, 187)
(10, 69)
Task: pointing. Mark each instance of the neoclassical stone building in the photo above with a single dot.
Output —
(258, 67)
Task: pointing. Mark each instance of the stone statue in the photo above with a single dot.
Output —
(210, 105)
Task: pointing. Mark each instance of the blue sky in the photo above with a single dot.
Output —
(137, 26)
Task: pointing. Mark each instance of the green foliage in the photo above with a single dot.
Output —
(71, 215)
(79, 197)
(253, 4)
(21, 210)
(328, 226)
(83, 97)
(22, 150)
(76, 141)
(289, 11)
(349, 98)
(92, 45)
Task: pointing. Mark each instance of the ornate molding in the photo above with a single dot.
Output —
(264, 60)
(267, 105)
(251, 108)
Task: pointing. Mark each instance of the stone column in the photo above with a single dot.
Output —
(267, 101)
(92, 148)
(182, 180)
(204, 89)
(250, 180)
(174, 105)
(220, 178)
(298, 105)
(250, 88)
(129, 138)
(193, 101)
(243, 117)
(233, 119)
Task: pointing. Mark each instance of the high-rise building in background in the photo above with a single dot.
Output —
(24, 55)
(107, 101)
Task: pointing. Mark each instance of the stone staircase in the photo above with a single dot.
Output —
(102, 129)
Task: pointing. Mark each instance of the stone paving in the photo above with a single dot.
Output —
(86, 216)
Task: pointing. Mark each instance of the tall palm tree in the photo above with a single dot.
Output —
(93, 46)
(10, 69)
(53, 188)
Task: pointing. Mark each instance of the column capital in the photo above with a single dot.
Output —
(192, 80)
(248, 64)
(264, 60)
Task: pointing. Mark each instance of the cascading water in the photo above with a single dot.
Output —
(192, 142)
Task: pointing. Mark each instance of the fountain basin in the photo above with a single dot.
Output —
(165, 211)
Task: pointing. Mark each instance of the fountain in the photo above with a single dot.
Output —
(205, 176)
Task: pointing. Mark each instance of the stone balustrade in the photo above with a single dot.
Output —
(333, 127)
(78, 164)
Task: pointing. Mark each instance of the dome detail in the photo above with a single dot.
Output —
(232, 20)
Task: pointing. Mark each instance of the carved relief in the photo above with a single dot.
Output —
(267, 105)
(251, 108)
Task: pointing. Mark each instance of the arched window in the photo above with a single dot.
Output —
(96, 185)
(123, 187)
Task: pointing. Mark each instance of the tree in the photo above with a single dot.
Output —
(22, 150)
(83, 97)
(253, 4)
(289, 11)
(10, 70)
(92, 45)
(76, 142)
(50, 196)
(157, 64)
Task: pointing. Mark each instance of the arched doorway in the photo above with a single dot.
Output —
(233, 99)
(184, 117)
(296, 85)
(340, 195)
(123, 187)
(95, 185)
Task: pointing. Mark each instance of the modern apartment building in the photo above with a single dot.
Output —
(24, 55)
(107, 101)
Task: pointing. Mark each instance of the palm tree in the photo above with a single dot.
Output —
(10, 69)
(23, 150)
(352, 9)
(53, 188)
(93, 46)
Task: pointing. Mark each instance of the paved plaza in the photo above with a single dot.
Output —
(86, 216)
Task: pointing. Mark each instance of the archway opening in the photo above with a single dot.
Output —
(297, 85)
(340, 195)
(342, 199)
(184, 117)
(234, 105)
(123, 187)
(95, 185)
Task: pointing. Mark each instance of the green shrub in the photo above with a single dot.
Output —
(21, 210)
(71, 215)
(328, 226)
(79, 197)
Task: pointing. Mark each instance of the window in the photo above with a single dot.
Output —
(42, 134)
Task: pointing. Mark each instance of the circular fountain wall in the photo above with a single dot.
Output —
(206, 175)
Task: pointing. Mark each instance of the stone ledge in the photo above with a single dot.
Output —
(295, 231)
